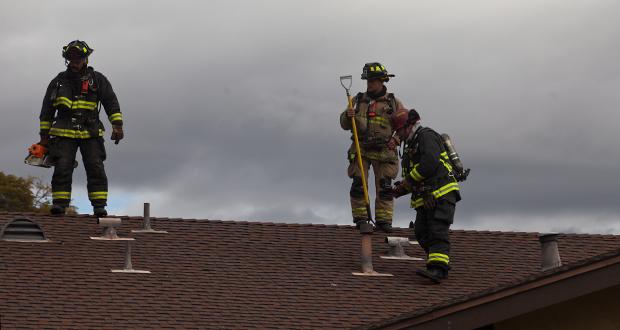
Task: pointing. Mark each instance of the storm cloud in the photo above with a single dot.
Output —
(231, 107)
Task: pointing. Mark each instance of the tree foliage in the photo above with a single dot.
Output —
(16, 193)
(28, 194)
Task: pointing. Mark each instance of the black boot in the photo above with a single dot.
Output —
(434, 273)
(99, 211)
(57, 210)
(383, 226)
(359, 221)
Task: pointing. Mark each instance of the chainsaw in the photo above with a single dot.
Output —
(38, 155)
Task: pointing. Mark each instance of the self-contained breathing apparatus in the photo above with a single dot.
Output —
(458, 170)
(460, 173)
(425, 189)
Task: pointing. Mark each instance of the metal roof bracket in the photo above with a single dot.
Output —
(109, 230)
(397, 250)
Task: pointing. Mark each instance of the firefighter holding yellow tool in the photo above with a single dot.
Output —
(377, 144)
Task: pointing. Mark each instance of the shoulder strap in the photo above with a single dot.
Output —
(57, 81)
(93, 84)
(392, 100)
(359, 98)
(434, 134)
(421, 131)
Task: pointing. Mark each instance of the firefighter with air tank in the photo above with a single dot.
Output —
(431, 170)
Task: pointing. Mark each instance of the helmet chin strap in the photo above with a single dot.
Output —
(414, 128)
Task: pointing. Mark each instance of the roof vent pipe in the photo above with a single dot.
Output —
(366, 230)
(147, 216)
(146, 227)
(128, 266)
(550, 253)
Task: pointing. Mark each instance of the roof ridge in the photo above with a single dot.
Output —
(307, 224)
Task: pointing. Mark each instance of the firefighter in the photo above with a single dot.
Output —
(69, 121)
(428, 175)
(372, 111)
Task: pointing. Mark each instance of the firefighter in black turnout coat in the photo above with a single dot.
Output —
(69, 121)
(428, 176)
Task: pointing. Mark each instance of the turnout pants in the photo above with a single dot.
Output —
(431, 230)
(384, 173)
(63, 152)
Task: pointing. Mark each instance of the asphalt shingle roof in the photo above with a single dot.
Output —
(226, 274)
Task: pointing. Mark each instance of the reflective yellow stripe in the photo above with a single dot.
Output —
(71, 133)
(84, 105)
(45, 125)
(61, 195)
(438, 257)
(372, 68)
(80, 104)
(116, 116)
(359, 212)
(446, 189)
(62, 100)
(446, 165)
(378, 120)
(452, 186)
(98, 195)
(415, 174)
(383, 214)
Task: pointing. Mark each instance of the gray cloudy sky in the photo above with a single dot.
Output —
(231, 107)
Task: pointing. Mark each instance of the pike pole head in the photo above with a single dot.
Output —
(346, 82)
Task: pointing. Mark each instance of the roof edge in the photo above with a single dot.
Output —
(555, 286)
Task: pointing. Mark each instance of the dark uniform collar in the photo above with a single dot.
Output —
(374, 96)
(77, 75)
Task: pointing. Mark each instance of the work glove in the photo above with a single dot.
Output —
(350, 112)
(45, 140)
(399, 189)
(117, 133)
(429, 202)
(393, 143)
